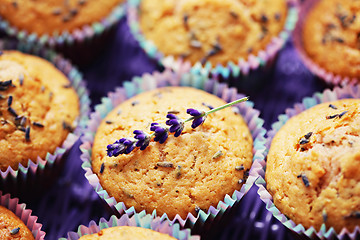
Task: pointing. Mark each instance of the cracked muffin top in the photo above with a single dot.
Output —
(54, 16)
(218, 31)
(186, 171)
(38, 108)
(331, 36)
(313, 166)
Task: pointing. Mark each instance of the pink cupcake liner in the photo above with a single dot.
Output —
(349, 91)
(327, 76)
(28, 177)
(170, 78)
(138, 220)
(241, 69)
(24, 214)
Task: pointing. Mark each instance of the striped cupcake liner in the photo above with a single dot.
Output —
(66, 42)
(137, 220)
(239, 71)
(19, 181)
(349, 91)
(24, 214)
(170, 78)
(314, 68)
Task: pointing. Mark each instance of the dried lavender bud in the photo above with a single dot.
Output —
(264, 18)
(14, 231)
(69, 85)
(239, 168)
(27, 134)
(305, 180)
(12, 111)
(217, 154)
(134, 103)
(37, 124)
(332, 116)
(353, 214)
(277, 16)
(102, 167)
(178, 171)
(207, 105)
(109, 122)
(240, 181)
(67, 126)
(308, 135)
(342, 114)
(21, 79)
(324, 216)
(10, 99)
(332, 106)
(165, 164)
(234, 14)
(173, 112)
(185, 20)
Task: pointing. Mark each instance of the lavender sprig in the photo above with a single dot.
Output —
(161, 132)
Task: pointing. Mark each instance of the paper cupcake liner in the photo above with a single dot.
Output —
(24, 214)
(138, 220)
(170, 78)
(314, 68)
(239, 71)
(350, 91)
(18, 181)
(81, 40)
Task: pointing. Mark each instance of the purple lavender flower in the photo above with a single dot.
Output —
(161, 133)
(176, 124)
(122, 146)
(199, 117)
(143, 139)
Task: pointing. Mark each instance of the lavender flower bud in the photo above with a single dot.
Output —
(143, 139)
(176, 124)
(122, 146)
(199, 117)
(161, 133)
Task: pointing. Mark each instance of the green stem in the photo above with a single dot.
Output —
(218, 108)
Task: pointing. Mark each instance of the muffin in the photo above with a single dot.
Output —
(12, 227)
(313, 163)
(76, 28)
(56, 16)
(230, 40)
(193, 171)
(16, 221)
(39, 108)
(127, 233)
(138, 226)
(331, 36)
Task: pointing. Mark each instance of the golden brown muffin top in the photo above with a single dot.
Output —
(38, 107)
(195, 177)
(11, 227)
(215, 30)
(50, 16)
(127, 233)
(313, 166)
(331, 36)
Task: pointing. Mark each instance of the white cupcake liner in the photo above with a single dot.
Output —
(137, 220)
(240, 70)
(350, 91)
(24, 214)
(169, 78)
(314, 68)
(25, 176)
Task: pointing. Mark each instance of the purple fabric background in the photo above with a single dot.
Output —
(71, 201)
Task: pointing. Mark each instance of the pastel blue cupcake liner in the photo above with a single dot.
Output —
(38, 168)
(170, 78)
(80, 35)
(141, 219)
(350, 91)
(238, 70)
